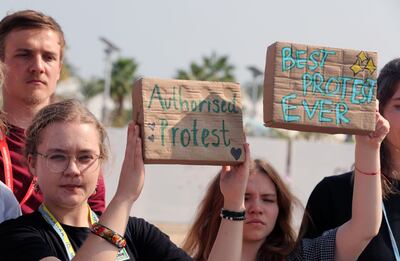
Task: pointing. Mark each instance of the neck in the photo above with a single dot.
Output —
(250, 250)
(77, 216)
(21, 114)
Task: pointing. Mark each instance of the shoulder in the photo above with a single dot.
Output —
(327, 189)
(139, 226)
(151, 243)
(28, 221)
(9, 206)
(6, 193)
(15, 139)
(343, 179)
(334, 182)
(27, 229)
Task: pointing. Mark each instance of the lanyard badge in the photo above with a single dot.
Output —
(53, 222)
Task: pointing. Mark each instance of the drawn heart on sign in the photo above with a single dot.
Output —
(236, 152)
(151, 125)
(151, 138)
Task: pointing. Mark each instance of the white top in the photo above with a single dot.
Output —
(9, 206)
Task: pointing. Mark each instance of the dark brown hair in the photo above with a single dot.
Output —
(279, 243)
(64, 111)
(28, 19)
(388, 83)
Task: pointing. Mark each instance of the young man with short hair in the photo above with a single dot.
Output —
(32, 49)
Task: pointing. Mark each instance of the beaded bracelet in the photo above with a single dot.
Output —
(232, 215)
(366, 173)
(109, 235)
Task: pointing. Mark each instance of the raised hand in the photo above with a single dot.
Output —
(233, 182)
(374, 139)
(132, 173)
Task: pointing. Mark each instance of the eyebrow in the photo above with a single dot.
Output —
(268, 194)
(54, 150)
(27, 50)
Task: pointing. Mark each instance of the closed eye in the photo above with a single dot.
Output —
(87, 158)
(57, 157)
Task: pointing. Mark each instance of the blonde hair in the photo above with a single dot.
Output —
(65, 111)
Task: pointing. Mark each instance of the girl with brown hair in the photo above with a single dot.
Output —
(281, 241)
(255, 210)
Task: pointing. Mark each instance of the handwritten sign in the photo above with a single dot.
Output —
(189, 122)
(321, 89)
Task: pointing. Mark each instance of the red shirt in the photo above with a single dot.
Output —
(22, 177)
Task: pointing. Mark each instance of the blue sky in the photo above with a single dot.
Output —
(166, 35)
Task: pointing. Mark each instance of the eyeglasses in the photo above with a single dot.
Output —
(58, 162)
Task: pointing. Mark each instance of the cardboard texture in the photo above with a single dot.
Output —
(189, 122)
(320, 89)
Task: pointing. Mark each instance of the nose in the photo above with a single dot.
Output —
(37, 65)
(254, 207)
(72, 168)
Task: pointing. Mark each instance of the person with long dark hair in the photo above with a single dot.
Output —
(330, 202)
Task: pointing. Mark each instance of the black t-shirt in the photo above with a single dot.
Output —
(30, 237)
(329, 206)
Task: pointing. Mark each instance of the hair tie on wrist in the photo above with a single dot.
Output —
(232, 215)
(111, 236)
(366, 173)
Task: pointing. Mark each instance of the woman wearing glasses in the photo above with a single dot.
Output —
(65, 148)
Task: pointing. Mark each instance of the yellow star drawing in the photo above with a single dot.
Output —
(370, 66)
(362, 56)
(356, 67)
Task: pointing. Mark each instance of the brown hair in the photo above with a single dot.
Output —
(64, 111)
(28, 19)
(388, 83)
(279, 243)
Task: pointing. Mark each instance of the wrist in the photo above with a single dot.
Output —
(234, 206)
(367, 145)
(233, 215)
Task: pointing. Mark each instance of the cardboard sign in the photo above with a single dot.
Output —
(189, 122)
(320, 89)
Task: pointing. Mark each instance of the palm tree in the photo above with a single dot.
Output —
(212, 68)
(123, 73)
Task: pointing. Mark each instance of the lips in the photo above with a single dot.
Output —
(36, 81)
(70, 187)
(255, 221)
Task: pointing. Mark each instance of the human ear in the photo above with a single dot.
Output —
(32, 164)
